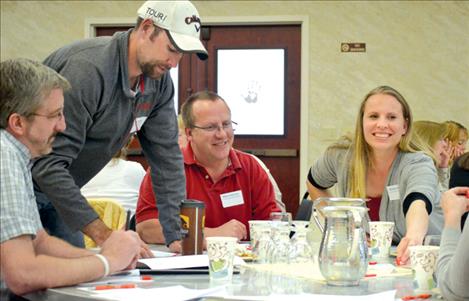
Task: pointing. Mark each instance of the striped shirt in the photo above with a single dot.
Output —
(18, 209)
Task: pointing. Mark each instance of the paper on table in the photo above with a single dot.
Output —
(157, 253)
(174, 293)
(388, 270)
(181, 262)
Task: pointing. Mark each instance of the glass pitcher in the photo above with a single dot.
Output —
(343, 252)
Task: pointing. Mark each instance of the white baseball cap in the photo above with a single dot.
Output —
(182, 22)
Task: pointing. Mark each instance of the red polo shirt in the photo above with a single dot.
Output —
(243, 174)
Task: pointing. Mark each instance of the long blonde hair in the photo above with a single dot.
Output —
(429, 133)
(359, 149)
(454, 130)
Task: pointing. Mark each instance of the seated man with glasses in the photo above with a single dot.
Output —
(31, 116)
(232, 184)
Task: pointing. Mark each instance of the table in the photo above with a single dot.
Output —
(252, 283)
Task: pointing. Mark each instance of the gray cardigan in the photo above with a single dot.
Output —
(100, 111)
(410, 172)
(452, 270)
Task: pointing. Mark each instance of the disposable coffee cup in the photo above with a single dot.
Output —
(221, 251)
(423, 261)
(192, 223)
(381, 238)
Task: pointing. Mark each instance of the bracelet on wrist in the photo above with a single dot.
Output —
(105, 263)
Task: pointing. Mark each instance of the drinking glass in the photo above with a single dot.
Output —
(261, 246)
(300, 250)
(279, 246)
(254, 229)
(280, 217)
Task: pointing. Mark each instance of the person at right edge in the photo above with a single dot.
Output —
(121, 86)
(452, 268)
(383, 164)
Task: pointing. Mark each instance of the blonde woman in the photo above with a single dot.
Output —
(457, 136)
(383, 164)
(434, 135)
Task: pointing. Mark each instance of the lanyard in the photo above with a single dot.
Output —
(141, 83)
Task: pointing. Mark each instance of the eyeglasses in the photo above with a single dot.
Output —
(56, 116)
(226, 126)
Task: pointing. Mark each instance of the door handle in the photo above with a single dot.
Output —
(270, 152)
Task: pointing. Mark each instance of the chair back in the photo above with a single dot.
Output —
(133, 223)
(305, 209)
(110, 212)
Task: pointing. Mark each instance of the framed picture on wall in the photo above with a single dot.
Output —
(252, 83)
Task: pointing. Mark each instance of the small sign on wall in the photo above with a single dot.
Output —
(353, 47)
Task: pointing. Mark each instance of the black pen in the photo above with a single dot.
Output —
(127, 220)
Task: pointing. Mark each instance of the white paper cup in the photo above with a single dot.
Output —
(221, 251)
(423, 260)
(381, 238)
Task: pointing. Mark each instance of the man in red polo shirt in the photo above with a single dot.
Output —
(233, 186)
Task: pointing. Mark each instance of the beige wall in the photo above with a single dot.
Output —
(420, 48)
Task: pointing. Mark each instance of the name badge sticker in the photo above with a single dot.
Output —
(231, 199)
(393, 192)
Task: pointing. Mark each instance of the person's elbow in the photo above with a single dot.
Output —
(315, 192)
(22, 269)
(15, 283)
(150, 231)
(19, 282)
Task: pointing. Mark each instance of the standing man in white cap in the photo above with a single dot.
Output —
(121, 86)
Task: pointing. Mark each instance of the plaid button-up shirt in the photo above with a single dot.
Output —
(18, 210)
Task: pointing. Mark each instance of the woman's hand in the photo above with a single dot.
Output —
(446, 155)
(454, 203)
(403, 253)
(417, 225)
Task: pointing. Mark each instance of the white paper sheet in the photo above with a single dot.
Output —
(173, 293)
(157, 253)
(181, 262)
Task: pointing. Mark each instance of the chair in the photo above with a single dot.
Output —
(305, 209)
(110, 212)
(133, 223)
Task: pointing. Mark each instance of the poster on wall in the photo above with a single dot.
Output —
(252, 83)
